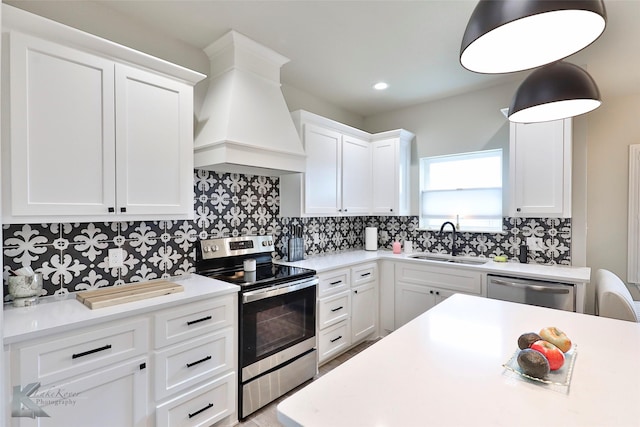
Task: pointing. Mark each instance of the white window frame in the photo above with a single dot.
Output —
(478, 217)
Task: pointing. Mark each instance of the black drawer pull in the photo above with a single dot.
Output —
(336, 339)
(88, 352)
(335, 283)
(198, 361)
(365, 274)
(191, 322)
(337, 309)
(210, 405)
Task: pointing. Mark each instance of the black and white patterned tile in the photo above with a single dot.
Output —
(75, 257)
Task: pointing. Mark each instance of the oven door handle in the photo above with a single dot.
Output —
(259, 294)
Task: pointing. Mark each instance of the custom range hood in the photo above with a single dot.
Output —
(245, 125)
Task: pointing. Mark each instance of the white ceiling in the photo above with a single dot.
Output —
(339, 49)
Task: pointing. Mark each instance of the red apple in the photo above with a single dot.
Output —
(554, 355)
(556, 337)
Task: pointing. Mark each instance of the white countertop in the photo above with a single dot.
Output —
(444, 368)
(335, 260)
(54, 315)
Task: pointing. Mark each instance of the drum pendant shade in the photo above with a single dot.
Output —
(505, 36)
(553, 92)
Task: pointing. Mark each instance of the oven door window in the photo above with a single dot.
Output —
(275, 323)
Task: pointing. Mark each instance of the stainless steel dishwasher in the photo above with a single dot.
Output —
(532, 291)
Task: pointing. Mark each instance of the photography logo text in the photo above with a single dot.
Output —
(30, 401)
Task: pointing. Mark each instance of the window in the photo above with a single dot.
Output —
(465, 189)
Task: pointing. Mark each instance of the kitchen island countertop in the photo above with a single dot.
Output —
(444, 368)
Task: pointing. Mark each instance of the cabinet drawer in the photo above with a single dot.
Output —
(334, 340)
(455, 279)
(333, 281)
(183, 365)
(192, 320)
(333, 309)
(87, 350)
(364, 274)
(203, 406)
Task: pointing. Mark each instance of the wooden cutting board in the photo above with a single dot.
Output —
(113, 295)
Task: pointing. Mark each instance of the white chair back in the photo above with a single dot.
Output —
(613, 299)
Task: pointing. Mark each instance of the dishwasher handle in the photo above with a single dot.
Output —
(532, 286)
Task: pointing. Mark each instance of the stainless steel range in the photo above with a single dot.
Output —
(277, 316)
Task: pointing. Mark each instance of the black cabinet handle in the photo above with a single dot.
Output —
(191, 322)
(518, 209)
(88, 352)
(198, 361)
(355, 290)
(365, 274)
(337, 309)
(335, 283)
(210, 405)
(111, 209)
(123, 209)
(336, 339)
(391, 210)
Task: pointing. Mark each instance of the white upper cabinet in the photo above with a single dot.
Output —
(88, 138)
(540, 169)
(348, 171)
(390, 160)
(356, 176)
(322, 183)
(61, 154)
(154, 143)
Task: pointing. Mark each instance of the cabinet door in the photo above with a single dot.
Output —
(541, 169)
(364, 310)
(114, 396)
(412, 301)
(61, 144)
(385, 177)
(154, 137)
(356, 176)
(322, 179)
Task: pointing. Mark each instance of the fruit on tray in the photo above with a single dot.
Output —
(525, 340)
(556, 337)
(553, 354)
(533, 363)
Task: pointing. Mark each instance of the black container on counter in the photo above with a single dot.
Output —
(524, 251)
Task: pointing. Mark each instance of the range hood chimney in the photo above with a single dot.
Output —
(245, 124)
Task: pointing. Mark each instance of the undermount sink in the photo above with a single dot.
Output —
(430, 257)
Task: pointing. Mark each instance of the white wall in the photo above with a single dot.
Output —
(298, 99)
(611, 129)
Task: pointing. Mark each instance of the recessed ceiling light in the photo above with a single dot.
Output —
(380, 86)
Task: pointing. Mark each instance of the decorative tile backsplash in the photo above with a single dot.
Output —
(74, 257)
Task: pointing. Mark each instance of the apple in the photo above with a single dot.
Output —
(553, 354)
(556, 337)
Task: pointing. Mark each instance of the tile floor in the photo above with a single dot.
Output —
(266, 416)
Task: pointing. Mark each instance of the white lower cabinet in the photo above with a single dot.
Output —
(195, 361)
(201, 406)
(347, 309)
(171, 367)
(419, 287)
(96, 376)
(333, 340)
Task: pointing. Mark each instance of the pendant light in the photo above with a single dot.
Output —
(504, 36)
(553, 92)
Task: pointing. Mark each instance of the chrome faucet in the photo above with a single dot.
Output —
(453, 240)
